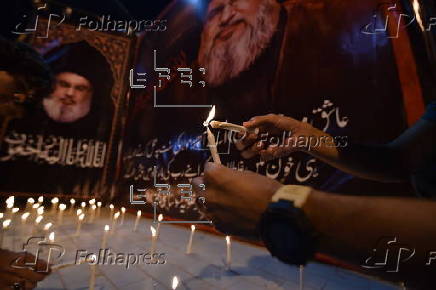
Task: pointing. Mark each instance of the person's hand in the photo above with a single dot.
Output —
(24, 277)
(277, 136)
(235, 200)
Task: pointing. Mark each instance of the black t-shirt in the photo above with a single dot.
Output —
(424, 179)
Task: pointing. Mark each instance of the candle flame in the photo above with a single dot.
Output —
(83, 204)
(192, 228)
(106, 228)
(54, 200)
(123, 209)
(175, 282)
(228, 240)
(38, 219)
(82, 216)
(40, 211)
(47, 226)
(92, 201)
(94, 207)
(30, 200)
(153, 231)
(15, 210)
(6, 223)
(116, 215)
(1, 215)
(24, 216)
(160, 217)
(210, 117)
(99, 203)
(111, 206)
(78, 212)
(10, 205)
(36, 205)
(40, 199)
(72, 201)
(51, 237)
(62, 206)
(138, 213)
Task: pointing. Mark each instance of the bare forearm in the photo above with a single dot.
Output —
(351, 227)
(381, 163)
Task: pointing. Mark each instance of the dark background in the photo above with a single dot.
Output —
(11, 11)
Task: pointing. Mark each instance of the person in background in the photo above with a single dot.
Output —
(24, 79)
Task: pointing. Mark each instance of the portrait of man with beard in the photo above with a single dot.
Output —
(289, 57)
(79, 104)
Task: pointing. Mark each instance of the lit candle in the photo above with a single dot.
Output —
(138, 216)
(24, 217)
(41, 199)
(93, 266)
(35, 206)
(111, 206)
(54, 205)
(191, 236)
(92, 201)
(51, 239)
(79, 212)
(104, 239)
(47, 226)
(62, 207)
(83, 206)
(93, 207)
(229, 252)
(123, 212)
(175, 283)
(79, 224)
(40, 210)
(98, 208)
(5, 227)
(30, 202)
(159, 218)
(211, 138)
(1, 215)
(72, 203)
(153, 240)
(37, 222)
(114, 221)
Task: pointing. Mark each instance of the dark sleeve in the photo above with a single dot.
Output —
(430, 113)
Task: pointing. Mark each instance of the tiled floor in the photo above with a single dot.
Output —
(252, 267)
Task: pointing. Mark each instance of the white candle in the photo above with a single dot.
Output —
(30, 202)
(98, 208)
(51, 239)
(104, 239)
(301, 277)
(175, 283)
(72, 203)
(191, 236)
(40, 211)
(111, 207)
(62, 207)
(93, 207)
(47, 226)
(153, 240)
(123, 212)
(232, 127)
(93, 266)
(79, 224)
(54, 205)
(138, 216)
(159, 218)
(211, 138)
(5, 227)
(229, 252)
(114, 221)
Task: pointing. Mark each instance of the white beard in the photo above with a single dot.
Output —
(227, 60)
(65, 113)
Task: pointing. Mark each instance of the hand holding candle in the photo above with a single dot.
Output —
(211, 138)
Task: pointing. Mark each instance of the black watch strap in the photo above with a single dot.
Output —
(287, 233)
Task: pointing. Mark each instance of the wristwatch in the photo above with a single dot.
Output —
(284, 228)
